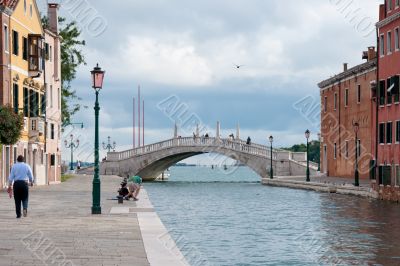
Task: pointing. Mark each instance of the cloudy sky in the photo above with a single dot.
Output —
(187, 49)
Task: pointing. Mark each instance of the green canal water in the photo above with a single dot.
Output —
(220, 217)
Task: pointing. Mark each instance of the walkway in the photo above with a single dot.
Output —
(60, 230)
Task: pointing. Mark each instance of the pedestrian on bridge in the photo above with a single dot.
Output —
(20, 176)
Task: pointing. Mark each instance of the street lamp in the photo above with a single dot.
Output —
(271, 171)
(307, 134)
(73, 145)
(356, 127)
(97, 84)
(109, 147)
(319, 151)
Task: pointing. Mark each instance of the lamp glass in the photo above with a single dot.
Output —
(97, 77)
(307, 134)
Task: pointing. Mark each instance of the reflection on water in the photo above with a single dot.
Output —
(219, 219)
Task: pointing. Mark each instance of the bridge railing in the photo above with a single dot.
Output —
(234, 145)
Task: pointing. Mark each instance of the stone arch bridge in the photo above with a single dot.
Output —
(151, 160)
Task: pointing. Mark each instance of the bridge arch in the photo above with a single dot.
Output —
(151, 160)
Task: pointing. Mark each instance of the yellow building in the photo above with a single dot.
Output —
(28, 51)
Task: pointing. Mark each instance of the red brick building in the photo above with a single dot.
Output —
(347, 98)
(387, 146)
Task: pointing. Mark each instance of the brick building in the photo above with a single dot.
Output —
(347, 98)
(387, 145)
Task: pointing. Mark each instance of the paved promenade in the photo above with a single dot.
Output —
(60, 229)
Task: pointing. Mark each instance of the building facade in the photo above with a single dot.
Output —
(388, 127)
(26, 46)
(347, 99)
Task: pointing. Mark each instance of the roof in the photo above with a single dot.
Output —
(11, 4)
(370, 65)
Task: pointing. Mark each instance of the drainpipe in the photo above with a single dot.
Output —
(377, 106)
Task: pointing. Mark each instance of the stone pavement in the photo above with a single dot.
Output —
(60, 229)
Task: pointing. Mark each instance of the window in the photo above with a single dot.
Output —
(26, 102)
(358, 148)
(389, 42)
(25, 7)
(51, 53)
(396, 39)
(25, 48)
(33, 103)
(58, 99)
(46, 51)
(389, 5)
(52, 131)
(389, 132)
(31, 10)
(51, 96)
(35, 55)
(390, 87)
(397, 175)
(359, 94)
(334, 151)
(52, 159)
(398, 131)
(382, 45)
(346, 97)
(335, 101)
(395, 90)
(382, 133)
(15, 42)
(15, 97)
(325, 103)
(43, 104)
(15, 154)
(397, 3)
(42, 157)
(6, 39)
(385, 175)
(347, 149)
(382, 92)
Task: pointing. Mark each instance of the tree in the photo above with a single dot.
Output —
(71, 59)
(313, 150)
(10, 125)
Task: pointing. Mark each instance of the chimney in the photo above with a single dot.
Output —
(53, 17)
(344, 67)
(371, 53)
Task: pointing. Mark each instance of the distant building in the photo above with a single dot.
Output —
(30, 66)
(347, 98)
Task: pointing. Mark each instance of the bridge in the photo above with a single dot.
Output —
(151, 160)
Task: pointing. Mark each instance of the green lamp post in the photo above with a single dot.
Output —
(73, 145)
(356, 127)
(271, 171)
(97, 84)
(319, 151)
(307, 134)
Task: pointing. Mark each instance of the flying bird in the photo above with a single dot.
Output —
(238, 66)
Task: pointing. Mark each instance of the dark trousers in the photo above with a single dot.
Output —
(21, 195)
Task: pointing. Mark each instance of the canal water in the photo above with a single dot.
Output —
(226, 217)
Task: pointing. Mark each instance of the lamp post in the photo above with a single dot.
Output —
(271, 171)
(307, 134)
(356, 127)
(319, 158)
(73, 145)
(109, 147)
(97, 84)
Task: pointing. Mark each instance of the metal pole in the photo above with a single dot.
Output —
(143, 124)
(271, 170)
(96, 208)
(139, 117)
(356, 177)
(134, 124)
(308, 166)
(72, 156)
